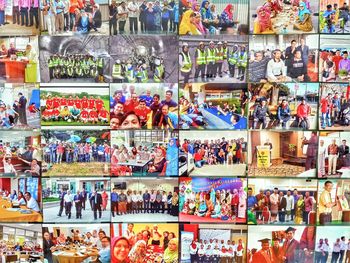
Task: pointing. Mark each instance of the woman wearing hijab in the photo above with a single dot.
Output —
(171, 254)
(138, 252)
(158, 162)
(172, 156)
(120, 250)
(198, 23)
(175, 204)
(303, 21)
(262, 23)
(193, 251)
(202, 209)
(227, 17)
(187, 24)
(208, 19)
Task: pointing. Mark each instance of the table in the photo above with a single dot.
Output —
(140, 163)
(17, 216)
(14, 69)
(70, 255)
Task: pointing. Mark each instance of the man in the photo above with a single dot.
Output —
(200, 61)
(104, 254)
(211, 66)
(78, 200)
(252, 202)
(283, 113)
(336, 251)
(311, 151)
(113, 18)
(48, 247)
(24, 6)
(168, 119)
(61, 197)
(142, 111)
(344, 64)
(264, 255)
(31, 202)
(96, 202)
(297, 69)
(133, 14)
(146, 201)
(333, 151)
(260, 113)
(261, 202)
(169, 101)
(274, 197)
(219, 58)
(343, 248)
(326, 204)
(59, 7)
(34, 13)
(122, 14)
(291, 246)
(344, 154)
(276, 68)
(22, 108)
(15, 12)
(326, 110)
(114, 202)
(84, 195)
(304, 51)
(257, 68)
(277, 251)
(185, 62)
(68, 202)
(303, 113)
(309, 203)
(319, 251)
(290, 51)
(282, 205)
(289, 205)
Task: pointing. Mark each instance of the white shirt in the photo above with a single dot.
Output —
(343, 245)
(336, 247)
(134, 198)
(68, 198)
(290, 202)
(9, 168)
(33, 204)
(133, 8)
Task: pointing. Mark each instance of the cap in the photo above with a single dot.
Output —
(264, 240)
(290, 229)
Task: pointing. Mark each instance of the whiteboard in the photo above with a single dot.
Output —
(219, 234)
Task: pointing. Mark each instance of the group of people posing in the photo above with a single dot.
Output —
(335, 65)
(213, 61)
(225, 204)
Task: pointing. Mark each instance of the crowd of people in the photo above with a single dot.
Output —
(132, 111)
(216, 251)
(339, 252)
(76, 239)
(215, 152)
(283, 206)
(147, 244)
(76, 66)
(225, 204)
(203, 18)
(301, 16)
(77, 16)
(10, 248)
(213, 61)
(334, 17)
(144, 202)
(68, 200)
(161, 160)
(83, 109)
(334, 65)
(281, 66)
(334, 109)
(147, 17)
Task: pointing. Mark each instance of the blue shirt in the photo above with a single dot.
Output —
(58, 4)
(251, 201)
(114, 197)
(105, 255)
(148, 99)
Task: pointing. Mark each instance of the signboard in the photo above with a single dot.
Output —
(263, 156)
(8, 8)
(186, 240)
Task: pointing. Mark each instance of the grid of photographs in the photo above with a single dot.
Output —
(175, 131)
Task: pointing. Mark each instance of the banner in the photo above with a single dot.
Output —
(8, 7)
(186, 240)
(263, 156)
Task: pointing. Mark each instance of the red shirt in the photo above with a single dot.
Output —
(32, 108)
(185, 147)
(325, 105)
(91, 103)
(107, 149)
(197, 157)
(78, 103)
(336, 60)
(49, 103)
(84, 103)
(70, 102)
(130, 105)
(93, 114)
(55, 102)
(55, 112)
(84, 114)
(103, 114)
(47, 113)
(142, 113)
(63, 102)
(60, 149)
(99, 104)
(303, 110)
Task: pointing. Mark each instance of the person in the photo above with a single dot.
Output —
(344, 154)
(78, 200)
(113, 18)
(185, 62)
(133, 13)
(48, 247)
(291, 246)
(68, 203)
(104, 254)
(326, 204)
(259, 114)
(171, 253)
(200, 61)
(22, 109)
(31, 202)
(122, 15)
(282, 208)
(104, 196)
(304, 51)
(187, 25)
(58, 5)
(264, 255)
(262, 23)
(336, 251)
(97, 17)
(304, 19)
(34, 14)
(333, 151)
(297, 69)
(277, 251)
(303, 113)
(96, 202)
(283, 113)
(8, 166)
(275, 71)
(257, 68)
(130, 121)
(138, 251)
(120, 250)
(344, 64)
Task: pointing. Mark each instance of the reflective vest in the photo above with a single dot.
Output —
(211, 55)
(201, 57)
(50, 63)
(117, 71)
(86, 71)
(144, 76)
(60, 62)
(55, 62)
(158, 73)
(70, 71)
(187, 63)
(100, 63)
(79, 71)
(242, 60)
(93, 73)
(130, 75)
(219, 56)
(225, 52)
(233, 58)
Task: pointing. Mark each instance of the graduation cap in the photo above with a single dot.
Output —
(290, 229)
(264, 240)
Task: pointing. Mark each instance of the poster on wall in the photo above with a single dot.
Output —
(186, 240)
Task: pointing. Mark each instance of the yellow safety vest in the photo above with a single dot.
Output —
(117, 71)
(219, 54)
(201, 57)
(187, 63)
(211, 55)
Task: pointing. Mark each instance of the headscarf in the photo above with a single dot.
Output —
(202, 206)
(172, 256)
(199, 25)
(227, 10)
(303, 12)
(113, 243)
(133, 256)
(206, 12)
(264, 21)
(172, 151)
(186, 27)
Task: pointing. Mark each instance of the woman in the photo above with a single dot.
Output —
(225, 210)
(227, 17)
(158, 161)
(120, 250)
(193, 251)
(175, 204)
(303, 21)
(202, 209)
(130, 121)
(13, 196)
(166, 12)
(171, 254)
(61, 239)
(172, 157)
(138, 252)
(262, 23)
(150, 18)
(187, 24)
(299, 210)
(21, 200)
(242, 203)
(198, 23)
(104, 200)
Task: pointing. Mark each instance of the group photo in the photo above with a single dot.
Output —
(207, 58)
(333, 201)
(284, 17)
(282, 153)
(144, 106)
(20, 200)
(213, 243)
(334, 65)
(216, 200)
(67, 18)
(145, 199)
(144, 153)
(284, 106)
(77, 242)
(213, 18)
(283, 58)
(333, 155)
(76, 200)
(282, 201)
(19, 59)
(19, 106)
(143, 59)
(74, 105)
(67, 59)
(143, 242)
(143, 17)
(22, 242)
(20, 153)
(282, 243)
(203, 153)
(76, 152)
(334, 17)
(213, 106)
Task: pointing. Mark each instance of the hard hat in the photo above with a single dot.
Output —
(185, 44)
(201, 43)
(211, 43)
(117, 61)
(219, 43)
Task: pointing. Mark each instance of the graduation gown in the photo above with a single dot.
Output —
(291, 251)
(262, 257)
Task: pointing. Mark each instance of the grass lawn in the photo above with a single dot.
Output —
(79, 169)
(50, 199)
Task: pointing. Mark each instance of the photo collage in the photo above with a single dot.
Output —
(175, 131)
